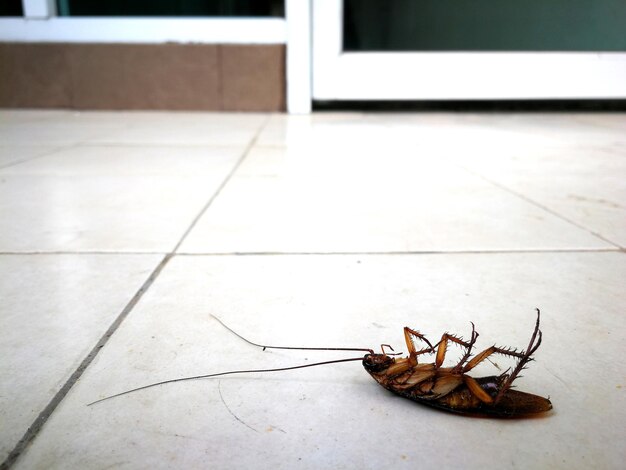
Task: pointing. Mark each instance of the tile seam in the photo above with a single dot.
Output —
(36, 157)
(316, 253)
(543, 207)
(223, 184)
(400, 253)
(34, 429)
(86, 252)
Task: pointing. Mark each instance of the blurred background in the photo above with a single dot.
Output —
(277, 55)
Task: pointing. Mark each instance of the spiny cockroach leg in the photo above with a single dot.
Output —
(526, 357)
(443, 346)
(413, 353)
(488, 352)
(468, 351)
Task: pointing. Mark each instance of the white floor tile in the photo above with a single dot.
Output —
(538, 197)
(138, 199)
(369, 199)
(359, 129)
(583, 183)
(186, 129)
(14, 116)
(548, 129)
(336, 416)
(12, 154)
(54, 309)
(61, 128)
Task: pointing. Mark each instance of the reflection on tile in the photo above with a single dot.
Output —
(186, 129)
(371, 199)
(329, 416)
(572, 164)
(447, 130)
(149, 128)
(54, 310)
(138, 199)
(53, 128)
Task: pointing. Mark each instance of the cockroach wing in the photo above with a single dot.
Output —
(518, 404)
(513, 404)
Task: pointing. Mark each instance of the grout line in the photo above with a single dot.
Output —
(36, 157)
(541, 206)
(226, 180)
(43, 417)
(401, 253)
(41, 420)
(116, 253)
(319, 253)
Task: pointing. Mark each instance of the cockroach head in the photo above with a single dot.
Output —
(376, 363)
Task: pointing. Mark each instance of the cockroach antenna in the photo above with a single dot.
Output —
(264, 346)
(248, 371)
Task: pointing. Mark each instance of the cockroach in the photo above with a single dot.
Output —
(445, 388)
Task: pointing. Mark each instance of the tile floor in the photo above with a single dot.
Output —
(122, 233)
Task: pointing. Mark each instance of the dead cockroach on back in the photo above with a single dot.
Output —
(451, 388)
(446, 388)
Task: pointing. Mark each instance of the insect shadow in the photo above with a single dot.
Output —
(429, 383)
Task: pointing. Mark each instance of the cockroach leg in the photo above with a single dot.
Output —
(409, 334)
(382, 348)
(443, 346)
(468, 352)
(402, 365)
(524, 359)
(477, 390)
(488, 352)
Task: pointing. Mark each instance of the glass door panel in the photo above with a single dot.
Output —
(459, 49)
(484, 25)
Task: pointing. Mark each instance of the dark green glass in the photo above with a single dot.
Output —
(484, 25)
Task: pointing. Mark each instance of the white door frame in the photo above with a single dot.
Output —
(40, 23)
(455, 75)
